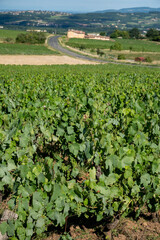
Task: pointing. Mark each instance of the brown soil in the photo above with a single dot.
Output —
(140, 230)
(41, 60)
(123, 229)
(54, 236)
(78, 233)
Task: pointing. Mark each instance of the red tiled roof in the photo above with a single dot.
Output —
(76, 31)
(141, 59)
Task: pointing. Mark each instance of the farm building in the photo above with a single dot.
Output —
(75, 34)
(80, 34)
(97, 37)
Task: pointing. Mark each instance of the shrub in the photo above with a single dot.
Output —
(118, 33)
(153, 34)
(134, 33)
(31, 38)
(131, 48)
(92, 50)
(9, 40)
(99, 52)
(121, 57)
(81, 47)
(117, 46)
(148, 59)
(156, 39)
(102, 34)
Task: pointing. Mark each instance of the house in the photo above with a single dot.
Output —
(75, 34)
(80, 34)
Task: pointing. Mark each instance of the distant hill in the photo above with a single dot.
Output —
(60, 22)
(132, 10)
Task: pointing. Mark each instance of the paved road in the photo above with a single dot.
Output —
(53, 42)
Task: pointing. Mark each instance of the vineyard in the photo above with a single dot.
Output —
(127, 44)
(77, 141)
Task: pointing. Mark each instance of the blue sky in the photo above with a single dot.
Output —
(73, 5)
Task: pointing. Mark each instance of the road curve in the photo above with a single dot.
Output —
(54, 43)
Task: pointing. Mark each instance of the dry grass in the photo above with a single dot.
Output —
(41, 60)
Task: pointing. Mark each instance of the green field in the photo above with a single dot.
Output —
(78, 141)
(132, 55)
(137, 45)
(24, 49)
(9, 34)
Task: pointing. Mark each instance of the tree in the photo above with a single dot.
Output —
(131, 48)
(118, 33)
(100, 53)
(114, 34)
(125, 34)
(81, 47)
(153, 34)
(21, 38)
(134, 33)
(121, 57)
(31, 38)
(102, 34)
(117, 46)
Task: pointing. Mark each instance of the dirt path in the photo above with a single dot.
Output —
(41, 60)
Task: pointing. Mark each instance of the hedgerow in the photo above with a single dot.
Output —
(31, 38)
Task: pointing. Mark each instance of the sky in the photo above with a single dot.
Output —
(74, 5)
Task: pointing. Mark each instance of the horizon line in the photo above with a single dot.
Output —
(69, 11)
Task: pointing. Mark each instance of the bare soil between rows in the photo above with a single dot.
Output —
(41, 60)
(147, 227)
